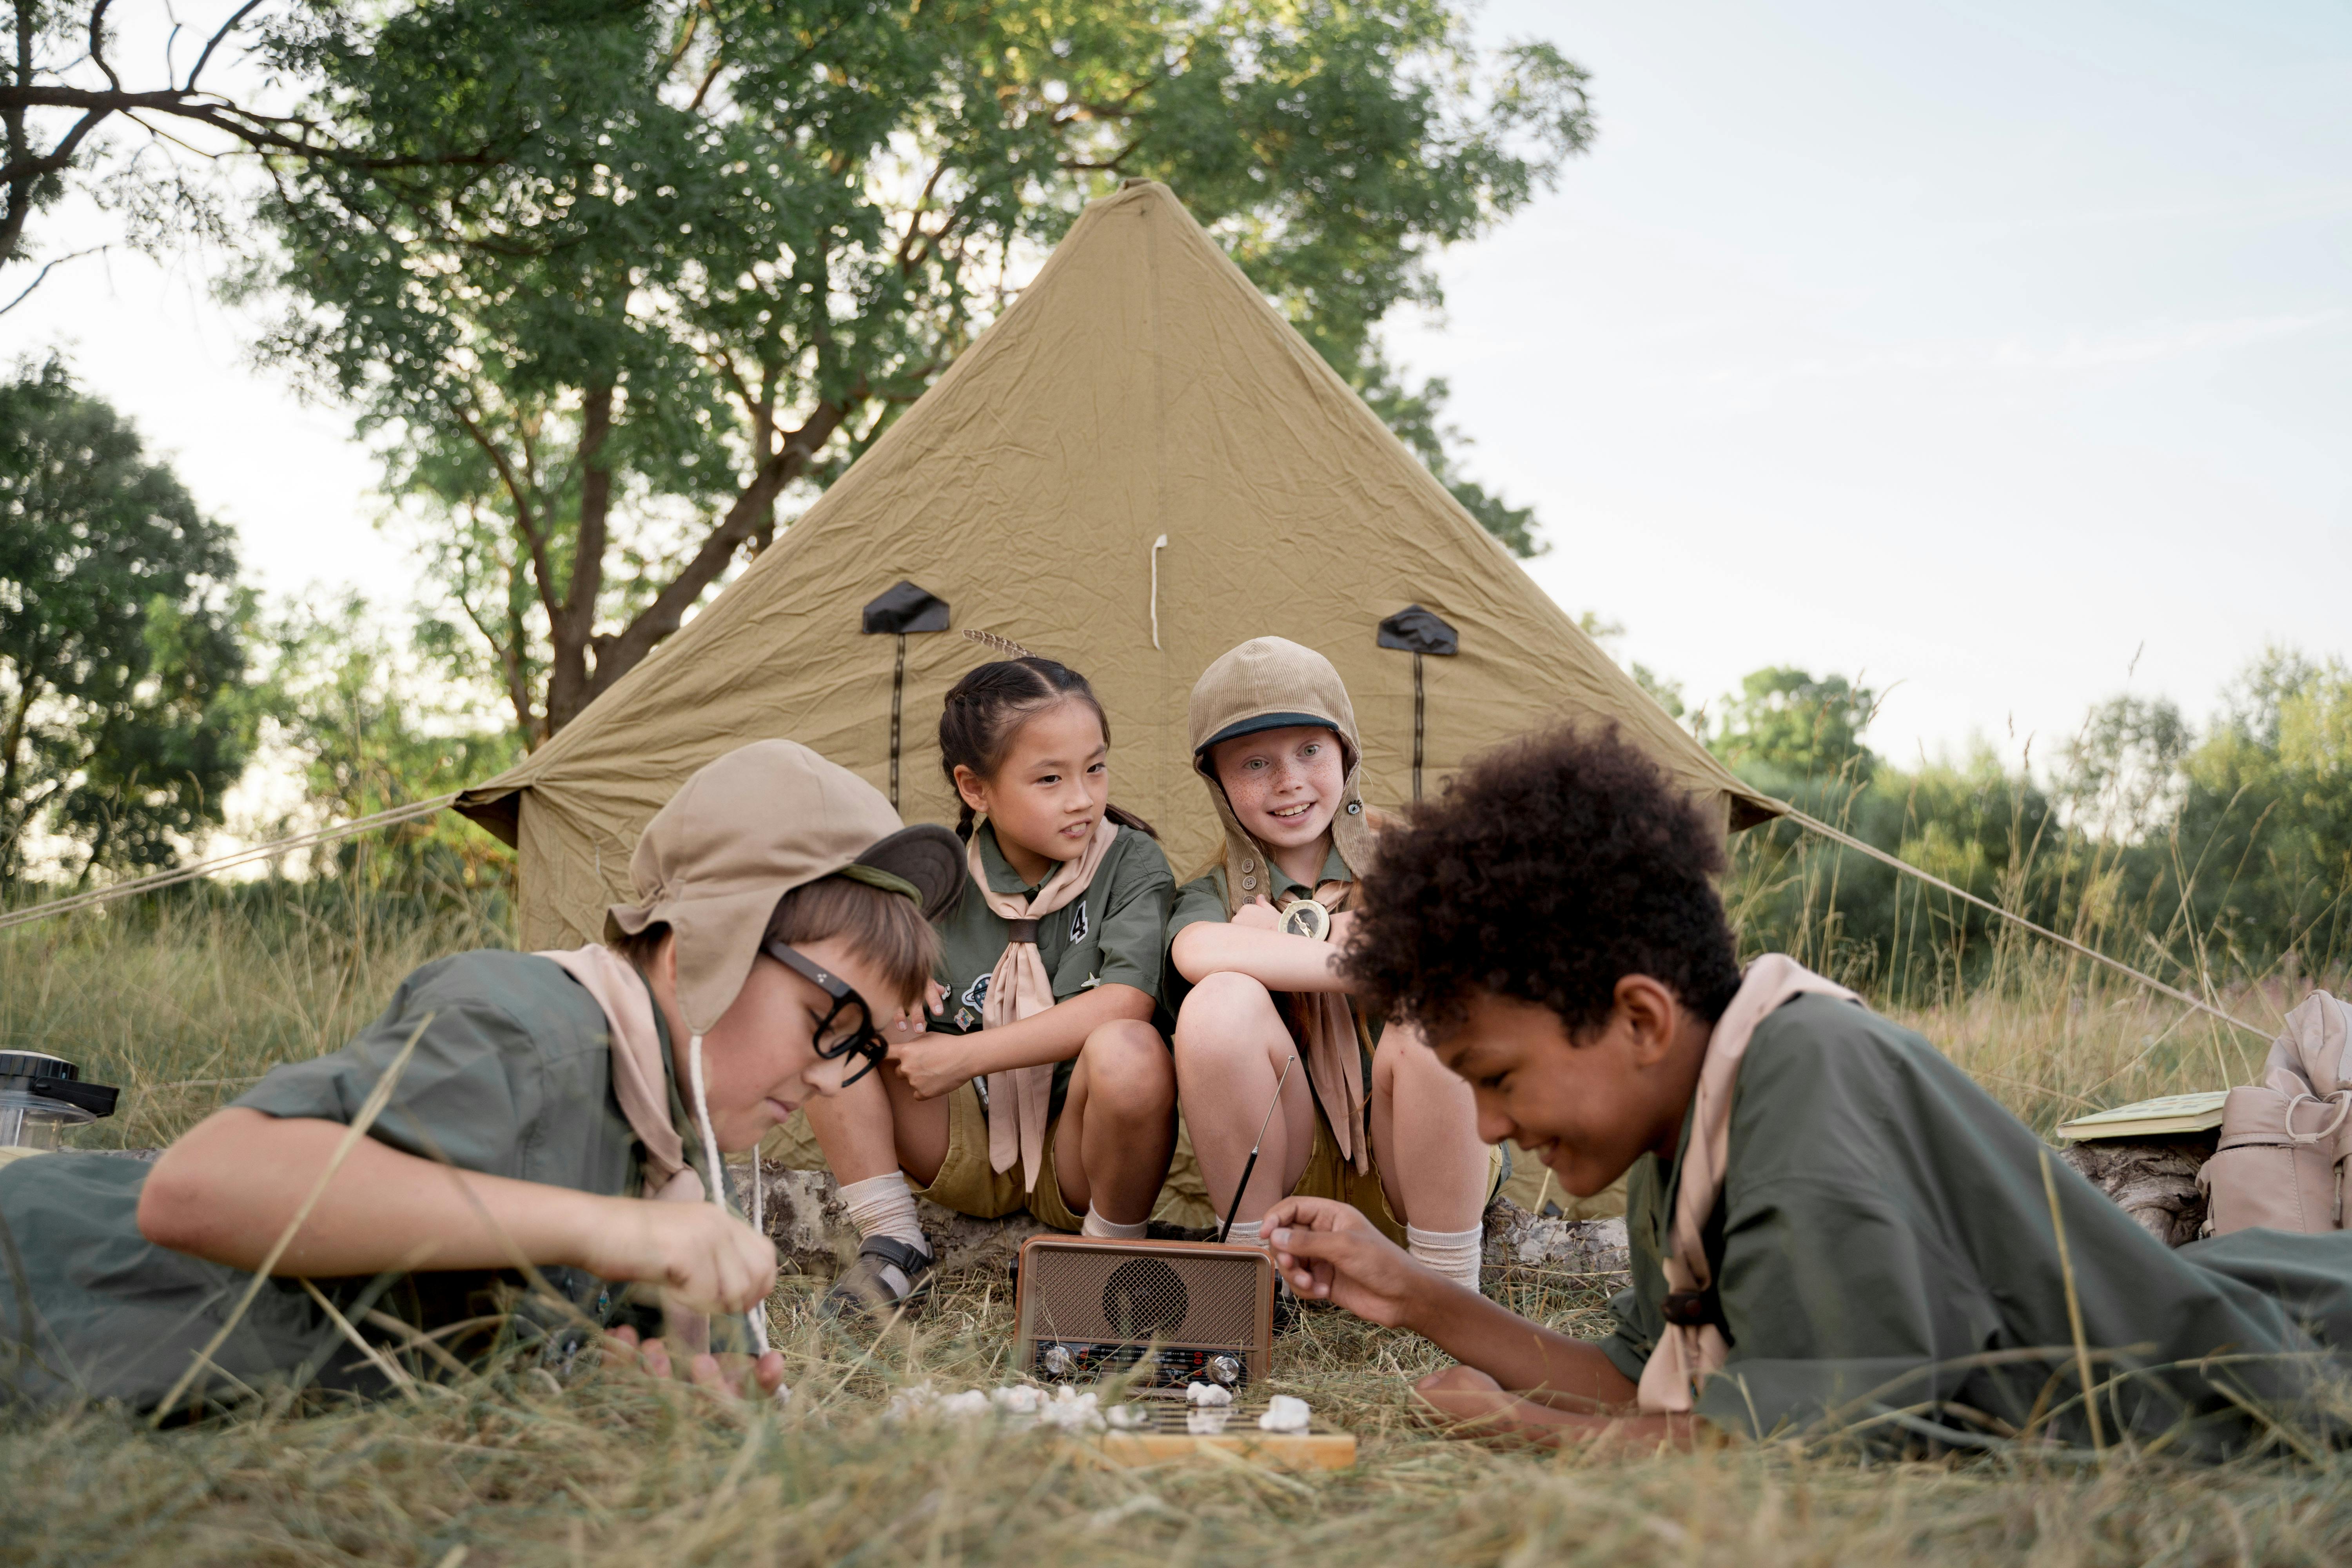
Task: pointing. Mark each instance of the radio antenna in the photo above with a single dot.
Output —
(1228, 1227)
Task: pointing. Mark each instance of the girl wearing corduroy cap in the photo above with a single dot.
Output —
(1372, 1119)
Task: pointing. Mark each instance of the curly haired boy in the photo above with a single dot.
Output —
(1831, 1225)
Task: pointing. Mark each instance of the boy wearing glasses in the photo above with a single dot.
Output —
(549, 1127)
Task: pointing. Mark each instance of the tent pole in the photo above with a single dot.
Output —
(897, 692)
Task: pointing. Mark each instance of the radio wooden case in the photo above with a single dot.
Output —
(1167, 1312)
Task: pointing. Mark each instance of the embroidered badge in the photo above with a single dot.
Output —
(977, 997)
(1079, 922)
(966, 1019)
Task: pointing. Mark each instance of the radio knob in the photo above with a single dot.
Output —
(1059, 1361)
(1226, 1370)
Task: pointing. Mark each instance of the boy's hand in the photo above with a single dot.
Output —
(737, 1376)
(710, 1261)
(1329, 1252)
(932, 1065)
(1258, 915)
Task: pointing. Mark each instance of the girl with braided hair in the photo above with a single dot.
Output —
(1041, 1078)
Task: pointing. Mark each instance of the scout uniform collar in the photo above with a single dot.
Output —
(1001, 877)
(1270, 683)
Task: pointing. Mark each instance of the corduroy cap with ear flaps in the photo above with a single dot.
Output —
(750, 827)
(1273, 683)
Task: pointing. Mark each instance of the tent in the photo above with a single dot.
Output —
(1140, 465)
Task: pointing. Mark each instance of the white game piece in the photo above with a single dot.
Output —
(1284, 1414)
(1207, 1393)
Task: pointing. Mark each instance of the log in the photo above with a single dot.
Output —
(2153, 1179)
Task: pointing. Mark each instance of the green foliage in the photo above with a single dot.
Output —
(123, 716)
(2205, 859)
(618, 283)
(371, 731)
(1785, 720)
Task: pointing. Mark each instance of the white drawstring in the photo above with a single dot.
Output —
(756, 1316)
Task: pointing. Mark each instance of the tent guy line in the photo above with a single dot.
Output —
(425, 808)
(161, 880)
(1812, 825)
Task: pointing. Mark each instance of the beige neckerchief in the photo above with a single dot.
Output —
(639, 1081)
(1326, 1021)
(1021, 1100)
(1689, 1353)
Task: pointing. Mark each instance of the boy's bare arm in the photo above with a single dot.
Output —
(227, 1190)
(1331, 1252)
(934, 1064)
(1275, 959)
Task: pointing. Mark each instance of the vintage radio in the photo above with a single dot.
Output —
(1168, 1313)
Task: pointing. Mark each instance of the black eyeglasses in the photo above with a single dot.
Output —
(861, 1040)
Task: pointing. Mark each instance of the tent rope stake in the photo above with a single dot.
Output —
(1814, 825)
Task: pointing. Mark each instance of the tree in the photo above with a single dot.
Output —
(372, 731)
(61, 91)
(718, 246)
(1783, 719)
(122, 719)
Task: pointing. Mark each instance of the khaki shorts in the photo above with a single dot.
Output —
(1328, 1175)
(967, 1184)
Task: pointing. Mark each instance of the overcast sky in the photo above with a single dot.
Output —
(1970, 349)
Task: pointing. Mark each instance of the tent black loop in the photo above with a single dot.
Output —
(900, 609)
(1417, 631)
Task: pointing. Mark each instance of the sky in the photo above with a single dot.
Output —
(1995, 356)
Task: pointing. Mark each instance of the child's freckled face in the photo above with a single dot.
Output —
(1587, 1110)
(1284, 784)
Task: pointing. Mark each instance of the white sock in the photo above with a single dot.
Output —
(1110, 1229)
(1452, 1253)
(1245, 1232)
(885, 1206)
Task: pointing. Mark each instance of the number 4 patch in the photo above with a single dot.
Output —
(1079, 922)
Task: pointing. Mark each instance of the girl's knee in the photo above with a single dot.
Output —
(1402, 1064)
(1128, 1069)
(1219, 1016)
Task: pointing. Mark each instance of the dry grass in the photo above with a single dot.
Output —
(515, 1471)
(514, 1468)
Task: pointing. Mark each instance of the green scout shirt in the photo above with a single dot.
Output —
(1114, 933)
(1883, 1220)
(511, 1076)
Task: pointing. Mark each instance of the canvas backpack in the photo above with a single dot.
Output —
(2285, 1151)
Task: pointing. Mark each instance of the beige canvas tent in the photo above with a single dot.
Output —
(1138, 467)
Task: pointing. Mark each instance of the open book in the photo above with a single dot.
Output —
(2166, 1116)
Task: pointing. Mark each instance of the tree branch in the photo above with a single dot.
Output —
(568, 681)
(619, 654)
(44, 272)
(226, 28)
(542, 574)
(97, 42)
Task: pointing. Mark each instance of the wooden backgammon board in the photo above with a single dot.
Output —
(1176, 1431)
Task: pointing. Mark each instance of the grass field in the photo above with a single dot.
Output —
(185, 1007)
